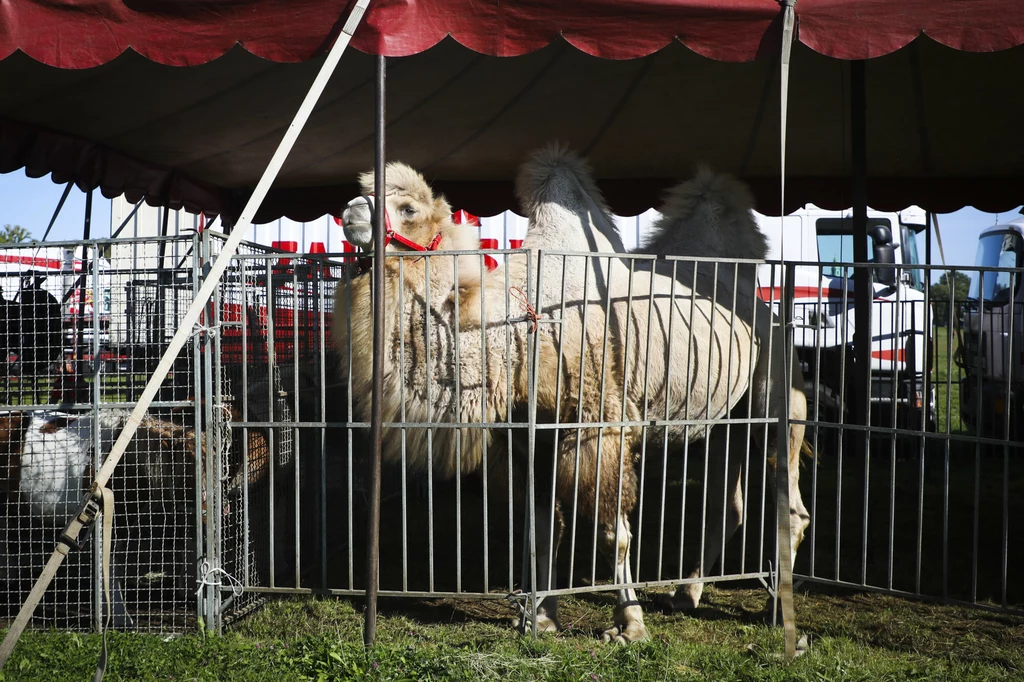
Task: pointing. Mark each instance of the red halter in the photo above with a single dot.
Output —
(390, 234)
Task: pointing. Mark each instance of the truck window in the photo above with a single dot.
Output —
(908, 245)
(835, 243)
(996, 250)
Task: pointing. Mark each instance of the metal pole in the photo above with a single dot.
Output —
(376, 407)
(862, 287)
(87, 513)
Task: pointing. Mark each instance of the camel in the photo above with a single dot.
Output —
(603, 311)
(699, 218)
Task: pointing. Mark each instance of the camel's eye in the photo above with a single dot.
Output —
(408, 211)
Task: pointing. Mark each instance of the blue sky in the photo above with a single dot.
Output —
(30, 202)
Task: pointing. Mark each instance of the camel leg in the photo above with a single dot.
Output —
(611, 512)
(723, 511)
(799, 517)
(629, 616)
(549, 533)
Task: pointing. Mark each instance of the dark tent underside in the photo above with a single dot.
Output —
(944, 126)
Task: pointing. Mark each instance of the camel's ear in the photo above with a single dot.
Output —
(366, 182)
(441, 207)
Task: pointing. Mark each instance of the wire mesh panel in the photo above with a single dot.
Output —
(79, 345)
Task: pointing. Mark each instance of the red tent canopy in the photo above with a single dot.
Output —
(93, 94)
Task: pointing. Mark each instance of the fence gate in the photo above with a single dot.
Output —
(82, 324)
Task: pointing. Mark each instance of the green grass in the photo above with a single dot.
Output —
(946, 376)
(853, 637)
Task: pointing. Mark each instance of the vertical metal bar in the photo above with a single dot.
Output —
(980, 421)
(295, 416)
(1008, 329)
(485, 473)
(349, 435)
(510, 496)
(533, 348)
(247, 332)
(691, 369)
(97, 376)
(946, 441)
(644, 416)
(584, 351)
(899, 337)
(376, 405)
(556, 440)
(213, 470)
(709, 393)
(671, 309)
(322, 344)
(627, 314)
(605, 371)
(428, 368)
(458, 431)
(272, 444)
(214, 400)
(925, 404)
(202, 482)
(403, 433)
(728, 427)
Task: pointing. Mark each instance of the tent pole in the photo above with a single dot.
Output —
(91, 503)
(376, 405)
(862, 280)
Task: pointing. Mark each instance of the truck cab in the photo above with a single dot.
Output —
(992, 334)
(819, 242)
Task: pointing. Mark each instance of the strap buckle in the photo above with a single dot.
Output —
(86, 517)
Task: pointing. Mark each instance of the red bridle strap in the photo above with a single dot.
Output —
(390, 234)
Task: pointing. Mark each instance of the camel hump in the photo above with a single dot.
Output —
(709, 215)
(552, 171)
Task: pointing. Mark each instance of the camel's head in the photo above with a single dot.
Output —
(413, 214)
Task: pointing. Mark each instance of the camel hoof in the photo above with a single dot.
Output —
(634, 632)
(673, 603)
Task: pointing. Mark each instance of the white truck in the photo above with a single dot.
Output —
(824, 311)
(992, 335)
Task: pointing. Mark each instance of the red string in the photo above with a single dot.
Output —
(524, 303)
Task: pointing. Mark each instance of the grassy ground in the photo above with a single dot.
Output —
(853, 637)
(946, 375)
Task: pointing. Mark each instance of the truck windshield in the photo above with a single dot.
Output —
(996, 250)
(835, 243)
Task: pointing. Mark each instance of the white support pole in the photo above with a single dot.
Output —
(185, 329)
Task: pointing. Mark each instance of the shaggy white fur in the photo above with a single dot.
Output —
(53, 463)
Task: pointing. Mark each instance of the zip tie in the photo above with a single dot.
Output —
(207, 572)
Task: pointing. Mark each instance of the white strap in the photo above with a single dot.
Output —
(106, 497)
